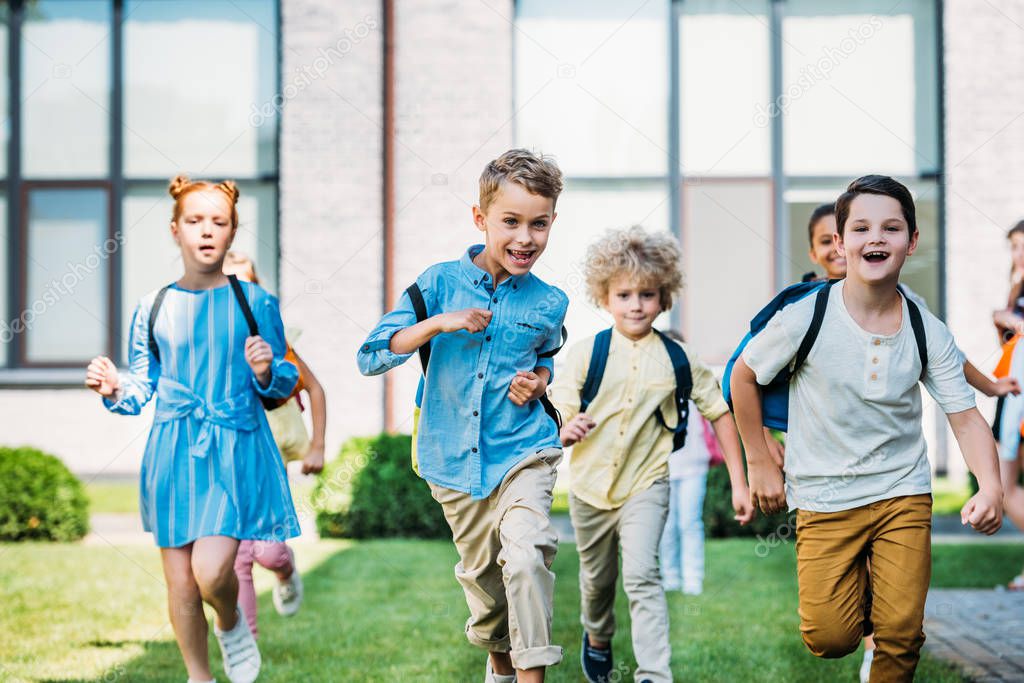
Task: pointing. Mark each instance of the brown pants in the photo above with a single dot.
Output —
(506, 546)
(832, 569)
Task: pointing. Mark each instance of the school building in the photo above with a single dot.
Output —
(357, 131)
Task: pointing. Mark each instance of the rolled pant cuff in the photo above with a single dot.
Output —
(489, 644)
(532, 657)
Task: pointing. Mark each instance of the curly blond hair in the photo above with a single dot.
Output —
(651, 259)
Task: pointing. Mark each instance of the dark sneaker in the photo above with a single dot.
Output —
(597, 664)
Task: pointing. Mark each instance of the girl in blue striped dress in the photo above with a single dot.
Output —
(211, 473)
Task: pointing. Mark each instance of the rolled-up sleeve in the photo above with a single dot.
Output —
(375, 355)
(283, 373)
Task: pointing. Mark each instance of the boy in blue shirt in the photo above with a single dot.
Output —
(486, 446)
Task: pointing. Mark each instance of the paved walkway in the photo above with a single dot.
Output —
(979, 631)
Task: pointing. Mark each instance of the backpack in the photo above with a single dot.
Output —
(268, 403)
(680, 366)
(419, 306)
(775, 395)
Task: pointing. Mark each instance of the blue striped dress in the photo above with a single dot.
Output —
(211, 467)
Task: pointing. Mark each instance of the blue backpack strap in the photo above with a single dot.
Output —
(157, 302)
(820, 304)
(917, 324)
(420, 308)
(684, 387)
(598, 361)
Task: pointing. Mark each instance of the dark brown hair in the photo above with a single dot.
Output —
(881, 185)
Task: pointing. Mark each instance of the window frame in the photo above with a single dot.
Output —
(15, 368)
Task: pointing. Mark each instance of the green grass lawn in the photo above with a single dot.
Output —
(112, 496)
(392, 610)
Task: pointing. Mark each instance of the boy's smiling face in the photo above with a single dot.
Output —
(633, 305)
(517, 224)
(876, 240)
(823, 248)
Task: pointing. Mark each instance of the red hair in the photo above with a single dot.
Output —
(181, 186)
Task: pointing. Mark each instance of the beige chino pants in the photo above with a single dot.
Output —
(637, 528)
(506, 545)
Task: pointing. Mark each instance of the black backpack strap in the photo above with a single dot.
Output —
(917, 324)
(684, 387)
(157, 302)
(820, 304)
(598, 361)
(250, 320)
(419, 306)
(554, 351)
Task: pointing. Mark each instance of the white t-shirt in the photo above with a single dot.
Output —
(854, 406)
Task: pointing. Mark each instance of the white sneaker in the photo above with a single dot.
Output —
(287, 595)
(238, 648)
(865, 667)
(491, 677)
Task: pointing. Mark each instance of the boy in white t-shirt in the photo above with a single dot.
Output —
(857, 470)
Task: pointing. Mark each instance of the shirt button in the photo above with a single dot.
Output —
(875, 361)
(874, 376)
(476, 282)
(366, 347)
(495, 299)
(479, 375)
(877, 342)
(515, 286)
(474, 449)
(487, 338)
(476, 413)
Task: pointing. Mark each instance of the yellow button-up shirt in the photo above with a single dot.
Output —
(628, 450)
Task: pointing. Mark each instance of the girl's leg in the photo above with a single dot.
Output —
(275, 556)
(246, 590)
(213, 565)
(691, 521)
(185, 608)
(669, 551)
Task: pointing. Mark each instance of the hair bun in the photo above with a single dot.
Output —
(230, 188)
(179, 184)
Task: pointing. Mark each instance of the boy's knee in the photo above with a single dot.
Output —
(640, 578)
(832, 639)
(524, 563)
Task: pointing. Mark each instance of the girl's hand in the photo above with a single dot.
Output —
(259, 356)
(1007, 385)
(576, 429)
(741, 504)
(469, 319)
(313, 463)
(101, 376)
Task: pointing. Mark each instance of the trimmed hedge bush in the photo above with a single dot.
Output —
(39, 498)
(718, 514)
(371, 491)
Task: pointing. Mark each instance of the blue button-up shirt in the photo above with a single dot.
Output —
(470, 432)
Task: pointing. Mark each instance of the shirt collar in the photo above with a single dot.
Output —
(478, 277)
(623, 339)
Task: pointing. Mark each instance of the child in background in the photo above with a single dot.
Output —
(682, 542)
(293, 441)
(211, 475)
(619, 492)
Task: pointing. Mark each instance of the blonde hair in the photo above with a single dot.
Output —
(537, 173)
(652, 260)
(181, 186)
(238, 258)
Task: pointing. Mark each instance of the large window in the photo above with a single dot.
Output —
(728, 122)
(105, 101)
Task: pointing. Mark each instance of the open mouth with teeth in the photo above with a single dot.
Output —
(876, 256)
(520, 258)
